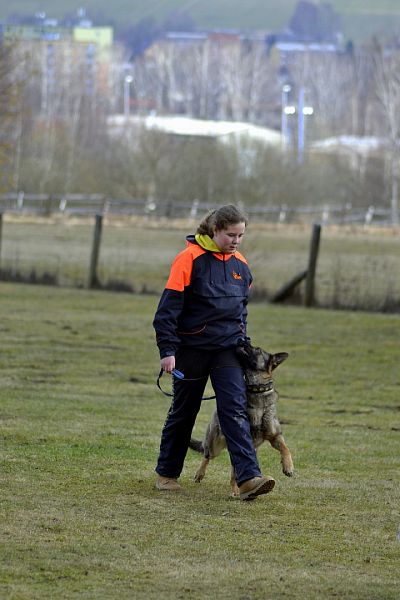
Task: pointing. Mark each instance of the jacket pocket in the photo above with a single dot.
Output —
(220, 290)
(195, 332)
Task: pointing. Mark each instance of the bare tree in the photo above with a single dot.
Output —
(65, 87)
(387, 78)
(11, 114)
(249, 81)
(212, 78)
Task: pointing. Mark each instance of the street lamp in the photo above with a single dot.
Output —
(127, 95)
(303, 111)
(284, 115)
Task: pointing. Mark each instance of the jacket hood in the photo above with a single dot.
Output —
(203, 240)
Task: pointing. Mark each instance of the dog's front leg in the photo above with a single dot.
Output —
(234, 486)
(279, 444)
(201, 471)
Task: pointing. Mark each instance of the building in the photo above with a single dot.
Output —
(186, 127)
(63, 57)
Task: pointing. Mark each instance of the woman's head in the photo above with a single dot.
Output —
(226, 225)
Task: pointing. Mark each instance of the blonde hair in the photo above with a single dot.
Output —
(221, 218)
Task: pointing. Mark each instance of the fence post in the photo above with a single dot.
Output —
(369, 215)
(1, 231)
(93, 279)
(287, 290)
(194, 209)
(309, 297)
(20, 200)
(282, 214)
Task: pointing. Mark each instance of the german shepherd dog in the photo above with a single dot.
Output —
(262, 399)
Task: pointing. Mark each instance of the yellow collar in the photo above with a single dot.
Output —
(206, 242)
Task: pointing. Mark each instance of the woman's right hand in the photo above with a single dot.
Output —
(168, 364)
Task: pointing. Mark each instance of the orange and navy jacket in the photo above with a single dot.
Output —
(204, 303)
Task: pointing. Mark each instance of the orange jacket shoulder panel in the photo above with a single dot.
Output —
(241, 257)
(181, 269)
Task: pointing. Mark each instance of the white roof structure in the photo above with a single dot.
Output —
(188, 127)
(362, 145)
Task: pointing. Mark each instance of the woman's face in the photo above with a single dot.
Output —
(228, 240)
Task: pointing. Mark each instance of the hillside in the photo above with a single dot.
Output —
(360, 18)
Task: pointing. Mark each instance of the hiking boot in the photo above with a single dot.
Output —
(250, 489)
(167, 484)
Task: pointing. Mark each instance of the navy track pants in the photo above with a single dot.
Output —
(226, 376)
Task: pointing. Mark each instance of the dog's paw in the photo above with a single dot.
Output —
(198, 477)
(288, 472)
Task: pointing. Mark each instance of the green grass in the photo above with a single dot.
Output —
(360, 18)
(80, 425)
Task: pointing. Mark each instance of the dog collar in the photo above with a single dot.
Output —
(261, 388)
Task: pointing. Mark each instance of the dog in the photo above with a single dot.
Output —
(262, 399)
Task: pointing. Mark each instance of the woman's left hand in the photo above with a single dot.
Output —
(168, 364)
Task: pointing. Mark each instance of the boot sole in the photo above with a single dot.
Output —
(263, 488)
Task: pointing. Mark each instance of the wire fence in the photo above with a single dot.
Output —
(89, 204)
(358, 267)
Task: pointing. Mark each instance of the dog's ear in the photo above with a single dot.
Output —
(248, 356)
(243, 347)
(278, 358)
(244, 343)
(242, 352)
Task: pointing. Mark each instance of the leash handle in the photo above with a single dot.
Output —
(178, 375)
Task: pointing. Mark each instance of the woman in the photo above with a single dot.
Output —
(200, 319)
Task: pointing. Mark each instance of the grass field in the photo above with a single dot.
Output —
(80, 425)
(360, 18)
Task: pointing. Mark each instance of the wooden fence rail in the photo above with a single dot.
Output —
(85, 205)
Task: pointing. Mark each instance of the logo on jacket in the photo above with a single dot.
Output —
(236, 275)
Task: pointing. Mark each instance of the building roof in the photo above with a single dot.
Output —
(348, 143)
(186, 126)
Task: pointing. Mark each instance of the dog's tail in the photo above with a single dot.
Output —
(196, 445)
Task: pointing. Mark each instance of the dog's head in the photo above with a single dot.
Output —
(253, 358)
